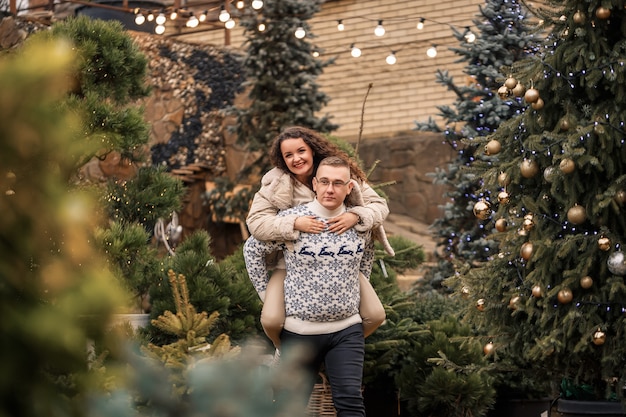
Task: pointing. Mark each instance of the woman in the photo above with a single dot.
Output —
(296, 154)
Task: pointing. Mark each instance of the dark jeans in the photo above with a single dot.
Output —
(342, 353)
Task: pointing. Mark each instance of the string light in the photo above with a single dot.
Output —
(420, 24)
(240, 4)
(261, 27)
(150, 17)
(469, 35)
(140, 19)
(340, 25)
(432, 51)
(300, 33)
(192, 21)
(224, 15)
(203, 16)
(391, 58)
(230, 24)
(257, 4)
(354, 51)
(174, 14)
(380, 29)
(160, 19)
(159, 29)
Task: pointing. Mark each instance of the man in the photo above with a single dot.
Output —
(322, 288)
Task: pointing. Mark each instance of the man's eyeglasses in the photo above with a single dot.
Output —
(336, 184)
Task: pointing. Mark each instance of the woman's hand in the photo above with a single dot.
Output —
(343, 222)
(309, 224)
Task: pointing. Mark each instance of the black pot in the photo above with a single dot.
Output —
(521, 408)
(573, 408)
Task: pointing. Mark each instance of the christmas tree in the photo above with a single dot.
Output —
(281, 71)
(554, 296)
(502, 38)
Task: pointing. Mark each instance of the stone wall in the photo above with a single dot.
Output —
(407, 158)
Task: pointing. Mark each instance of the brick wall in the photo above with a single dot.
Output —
(400, 93)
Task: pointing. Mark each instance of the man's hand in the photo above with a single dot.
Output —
(343, 222)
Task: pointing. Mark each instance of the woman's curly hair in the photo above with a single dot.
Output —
(320, 146)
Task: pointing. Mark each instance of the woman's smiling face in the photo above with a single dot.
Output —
(298, 157)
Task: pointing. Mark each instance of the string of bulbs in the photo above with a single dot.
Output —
(226, 18)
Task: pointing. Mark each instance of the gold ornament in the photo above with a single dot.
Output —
(586, 282)
(504, 179)
(482, 210)
(567, 166)
(604, 243)
(510, 83)
(531, 95)
(504, 197)
(465, 292)
(577, 214)
(599, 337)
(480, 304)
(501, 225)
(493, 147)
(537, 105)
(548, 174)
(514, 302)
(529, 168)
(528, 223)
(503, 92)
(519, 90)
(620, 197)
(564, 125)
(603, 13)
(488, 348)
(522, 232)
(526, 250)
(565, 296)
(579, 17)
(537, 292)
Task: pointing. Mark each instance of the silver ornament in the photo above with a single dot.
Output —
(617, 263)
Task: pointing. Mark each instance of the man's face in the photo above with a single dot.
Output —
(332, 185)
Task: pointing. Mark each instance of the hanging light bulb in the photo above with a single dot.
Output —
(140, 19)
(224, 15)
(240, 4)
(340, 25)
(432, 51)
(150, 16)
(315, 53)
(261, 27)
(203, 15)
(380, 29)
(160, 19)
(159, 29)
(300, 33)
(230, 23)
(420, 24)
(354, 51)
(257, 4)
(192, 22)
(469, 35)
(174, 14)
(391, 58)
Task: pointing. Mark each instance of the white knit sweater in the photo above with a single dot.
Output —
(322, 282)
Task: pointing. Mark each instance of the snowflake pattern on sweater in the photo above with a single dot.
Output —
(322, 282)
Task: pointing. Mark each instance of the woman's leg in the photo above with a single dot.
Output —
(371, 309)
(273, 312)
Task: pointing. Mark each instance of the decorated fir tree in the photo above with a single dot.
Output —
(554, 296)
(503, 37)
